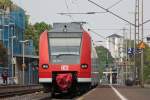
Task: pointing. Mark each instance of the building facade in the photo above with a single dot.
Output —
(12, 27)
(115, 46)
(12, 24)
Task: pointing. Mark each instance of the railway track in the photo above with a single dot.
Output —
(32, 96)
(34, 92)
(10, 91)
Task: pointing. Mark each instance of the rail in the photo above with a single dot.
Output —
(9, 91)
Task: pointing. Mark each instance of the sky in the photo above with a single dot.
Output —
(104, 24)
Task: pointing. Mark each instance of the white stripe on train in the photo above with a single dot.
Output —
(44, 80)
(84, 79)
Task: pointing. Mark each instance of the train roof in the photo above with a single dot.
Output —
(115, 35)
(67, 27)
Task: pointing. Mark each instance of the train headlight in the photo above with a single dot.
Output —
(45, 66)
(84, 66)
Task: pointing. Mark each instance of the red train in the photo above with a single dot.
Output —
(67, 59)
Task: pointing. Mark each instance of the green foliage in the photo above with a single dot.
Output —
(26, 20)
(8, 5)
(3, 55)
(29, 29)
(33, 31)
(5, 3)
(104, 56)
(39, 28)
(147, 63)
(129, 43)
(29, 32)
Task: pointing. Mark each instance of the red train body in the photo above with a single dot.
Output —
(67, 59)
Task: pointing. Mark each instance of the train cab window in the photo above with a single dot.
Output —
(65, 50)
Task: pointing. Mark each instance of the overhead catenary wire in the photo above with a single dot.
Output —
(111, 12)
(113, 5)
(100, 35)
(106, 10)
(105, 38)
(96, 33)
(77, 8)
(68, 11)
(145, 22)
(80, 13)
(107, 29)
(92, 30)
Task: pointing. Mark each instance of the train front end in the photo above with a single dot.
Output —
(64, 58)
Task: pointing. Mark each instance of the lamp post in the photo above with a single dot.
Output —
(23, 64)
(142, 54)
(12, 39)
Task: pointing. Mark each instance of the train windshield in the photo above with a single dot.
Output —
(65, 50)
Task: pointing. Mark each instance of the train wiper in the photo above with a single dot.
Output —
(63, 54)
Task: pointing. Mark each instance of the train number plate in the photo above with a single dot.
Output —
(64, 67)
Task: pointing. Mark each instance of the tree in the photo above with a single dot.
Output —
(8, 5)
(38, 29)
(147, 63)
(104, 56)
(33, 31)
(4, 4)
(29, 29)
(29, 32)
(3, 55)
